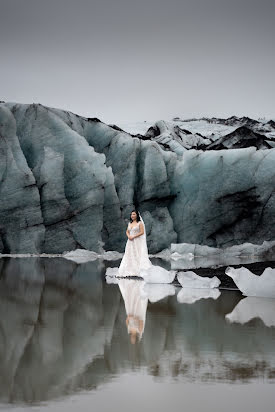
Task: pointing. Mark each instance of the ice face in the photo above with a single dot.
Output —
(70, 183)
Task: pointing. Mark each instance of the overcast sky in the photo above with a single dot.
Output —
(124, 60)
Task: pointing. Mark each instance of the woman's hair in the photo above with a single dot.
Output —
(138, 218)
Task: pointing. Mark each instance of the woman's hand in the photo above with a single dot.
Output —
(131, 237)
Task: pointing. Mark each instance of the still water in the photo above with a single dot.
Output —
(65, 344)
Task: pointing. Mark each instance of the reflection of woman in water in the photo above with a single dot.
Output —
(135, 306)
(136, 253)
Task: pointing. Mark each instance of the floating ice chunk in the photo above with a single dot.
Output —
(187, 256)
(81, 255)
(157, 292)
(111, 272)
(253, 285)
(266, 249)
(254, 307)
(111, 255)
(157, 274)
(192, 249)
(189, 295)
(190, 279)
(164, 254)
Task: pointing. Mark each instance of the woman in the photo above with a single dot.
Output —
(136, 252)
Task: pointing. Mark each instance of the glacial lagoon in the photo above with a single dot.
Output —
(65, 346)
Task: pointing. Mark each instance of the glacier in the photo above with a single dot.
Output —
(68, 182)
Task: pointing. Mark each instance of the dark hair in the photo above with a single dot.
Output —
(138, 218)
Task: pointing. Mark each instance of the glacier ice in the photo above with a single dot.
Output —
(266, 250)
(69, 182)
(189, 256)
(189, 279)
(253, 285)
(83, 255)
(157, 274)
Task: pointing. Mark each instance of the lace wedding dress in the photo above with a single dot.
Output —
(136, 254)
(136, 262)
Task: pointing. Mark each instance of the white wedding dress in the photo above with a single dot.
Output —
(136, 254)
(136, 262)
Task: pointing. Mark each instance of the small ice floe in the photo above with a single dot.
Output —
(254, 307)
(157, 274)
(81, 255)
(111, 255)
(189, 295)
(84, 255)
(190, 279)
(164, 254)
(253, 285)
(111, 272)
(186, 256)
(157, 292)
(265, 250)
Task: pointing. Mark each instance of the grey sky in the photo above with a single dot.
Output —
(124, 60)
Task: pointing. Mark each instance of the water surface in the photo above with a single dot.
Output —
(64, 345)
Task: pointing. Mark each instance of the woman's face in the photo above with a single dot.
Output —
(133, 215)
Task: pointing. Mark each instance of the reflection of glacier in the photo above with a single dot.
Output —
(63, 328)
(70, 182)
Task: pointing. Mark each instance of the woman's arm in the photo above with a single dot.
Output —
(141, 230)
(127, 232)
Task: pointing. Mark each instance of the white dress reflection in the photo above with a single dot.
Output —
(135, 306)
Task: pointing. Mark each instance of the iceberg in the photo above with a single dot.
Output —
(80, 255)
(190, 256)
(265, 250)
(253, 285)
(253, 307)
(190, 279)
(83, 255)
(157, 274)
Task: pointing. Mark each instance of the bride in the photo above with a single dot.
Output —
(136, 252)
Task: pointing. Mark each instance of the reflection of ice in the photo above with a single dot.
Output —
(190, 279)
(157, 292)
(189, 295)
(254, 307)
(253, 285)
(111, 279)
(157, 274)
